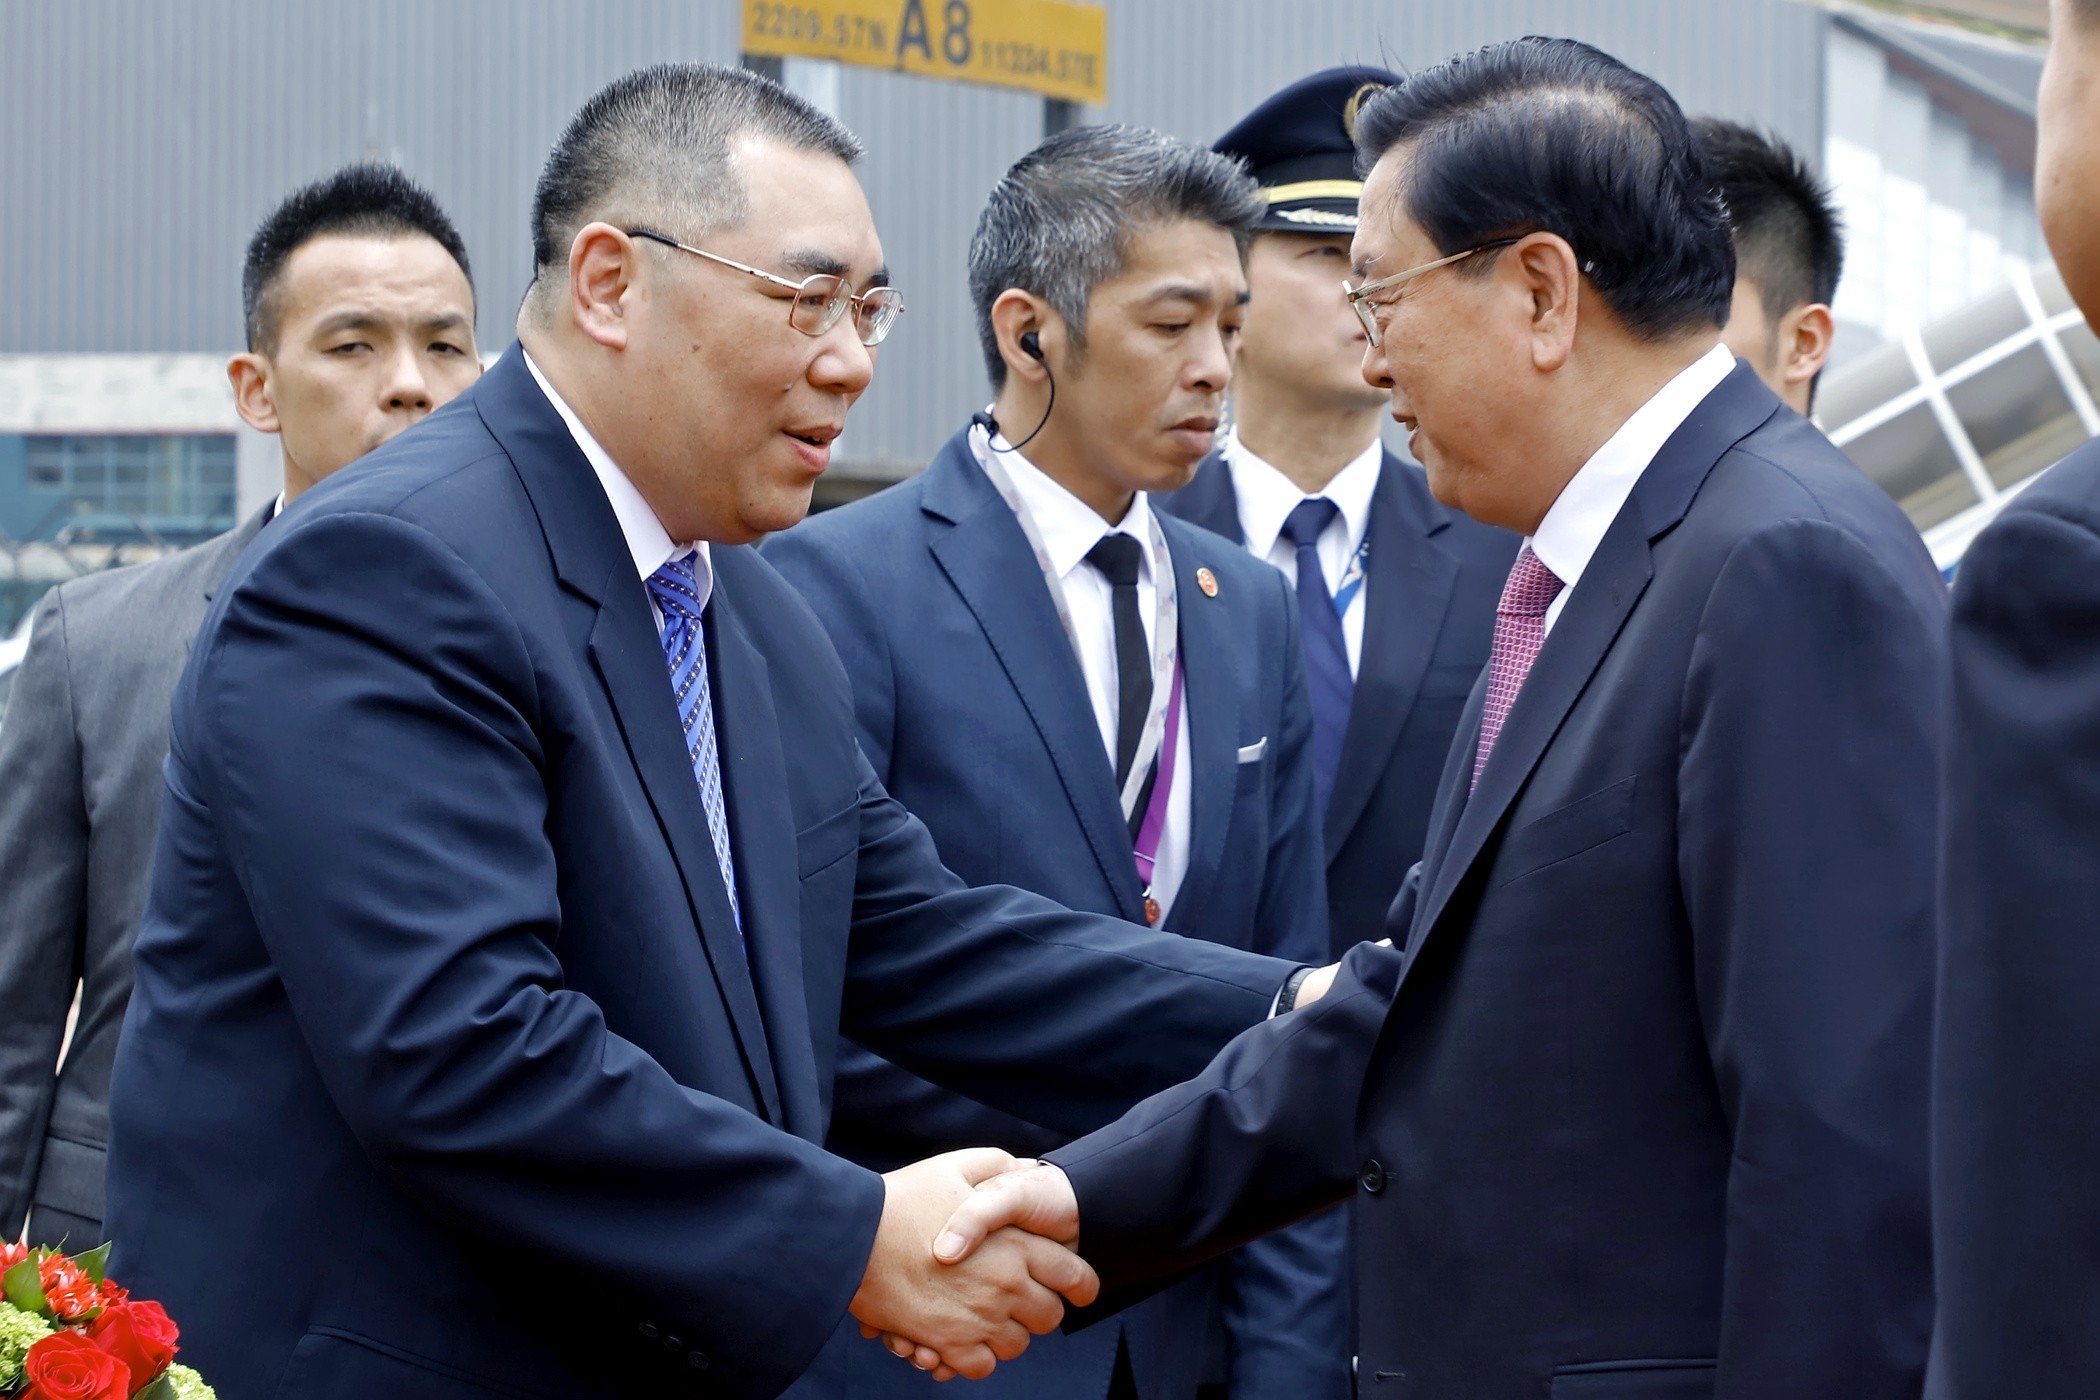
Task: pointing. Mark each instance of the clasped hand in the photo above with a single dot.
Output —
(1003, 1265)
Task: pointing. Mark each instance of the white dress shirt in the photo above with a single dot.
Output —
(647, 540)
(1266, 497)
(1577, 521)
(1069, 527)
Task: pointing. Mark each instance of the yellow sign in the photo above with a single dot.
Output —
(1054, 47)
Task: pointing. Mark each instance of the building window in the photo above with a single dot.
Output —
(181, 482)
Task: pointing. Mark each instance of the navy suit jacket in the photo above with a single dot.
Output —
(974, 713)
(1430, 591)
(446, 1071)
(2016, 1135)
(1638, 1107)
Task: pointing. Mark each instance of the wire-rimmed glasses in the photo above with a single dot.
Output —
(820, 299)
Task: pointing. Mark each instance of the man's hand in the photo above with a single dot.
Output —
(963, 1314)
(1032, 1196)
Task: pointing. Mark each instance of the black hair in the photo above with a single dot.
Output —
(1788, 238)
(368, 200)
(1552, 135)
(654, 147)
(1058, 223)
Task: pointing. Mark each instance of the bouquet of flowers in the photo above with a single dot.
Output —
(68, 1333)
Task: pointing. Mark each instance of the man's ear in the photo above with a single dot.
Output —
(602, 274)
(1804, 338)
(1019, 315)
(1549, 277)
(249, 373)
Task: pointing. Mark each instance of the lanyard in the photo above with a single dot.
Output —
(1353, 576)
(1166, 659)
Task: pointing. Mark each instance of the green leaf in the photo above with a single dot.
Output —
(95, 1262)
(23, 1285)
(159, 1388)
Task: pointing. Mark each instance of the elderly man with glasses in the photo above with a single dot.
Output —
(1637, 1106)
(520, 869)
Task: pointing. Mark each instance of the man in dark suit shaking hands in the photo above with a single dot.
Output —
(2016, 1138)
(1637, 1106)
(519, 869)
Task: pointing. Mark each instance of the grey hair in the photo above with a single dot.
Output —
(655, 144)
(1059, 222)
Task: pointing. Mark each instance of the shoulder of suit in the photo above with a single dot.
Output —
(136, 588)
(2069, 491)
(1785, 469)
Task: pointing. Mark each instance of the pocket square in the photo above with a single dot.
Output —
(1253, 752)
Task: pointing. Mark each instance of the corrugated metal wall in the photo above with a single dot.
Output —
(141, 141)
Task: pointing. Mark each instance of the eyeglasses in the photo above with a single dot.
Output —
(819, 299)
(1366, 311)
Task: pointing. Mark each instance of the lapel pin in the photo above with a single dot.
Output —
(1208, 582)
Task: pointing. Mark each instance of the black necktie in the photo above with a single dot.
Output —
(1116, 556)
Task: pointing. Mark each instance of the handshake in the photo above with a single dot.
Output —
(974, 1253)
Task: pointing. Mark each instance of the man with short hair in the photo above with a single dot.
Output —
(2016, 1146)
(1638, 1104)
(1789, 250)
(359, 309)
(520, 868)
(1396, 618)
(1130, 688)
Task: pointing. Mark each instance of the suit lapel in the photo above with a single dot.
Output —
(1595, 613)
(762, 825)
(1406, 595)
(592, 561)
(1208, 645)
(982, 550)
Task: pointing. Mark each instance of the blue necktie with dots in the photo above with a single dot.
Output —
(677, 595)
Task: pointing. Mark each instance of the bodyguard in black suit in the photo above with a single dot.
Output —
(1397, 619)
(951, 623)
(1637, 1107)
(519, 869)
(2016, 1138)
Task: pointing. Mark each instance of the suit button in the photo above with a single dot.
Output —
(650, 1331)
(698, 1360)
(1371, 1176)
(673, 1342)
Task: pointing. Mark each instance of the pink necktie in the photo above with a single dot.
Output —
(1520, 630)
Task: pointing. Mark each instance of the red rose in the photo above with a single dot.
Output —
(67, 1288)
(67, 1366)
(141, 1335)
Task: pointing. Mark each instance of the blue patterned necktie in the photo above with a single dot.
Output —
(677, 595)
(1327, 676)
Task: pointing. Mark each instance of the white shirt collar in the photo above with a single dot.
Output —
(647, 540)
(1266, 496)
(1576, 522)
(1068, 526)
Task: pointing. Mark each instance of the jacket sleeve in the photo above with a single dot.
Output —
(1285, 1297)
(2016, 1217)
(407, 894)
(43, 899)
(1264, 1136)
(1807, 794)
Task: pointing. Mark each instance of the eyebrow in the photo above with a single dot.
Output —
(365, 320)
(809, 261)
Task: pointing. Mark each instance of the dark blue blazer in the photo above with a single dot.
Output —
(1638, 1107)
(2016, 1138)
(1429, 598)
(447, 1072)
(974, 713)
